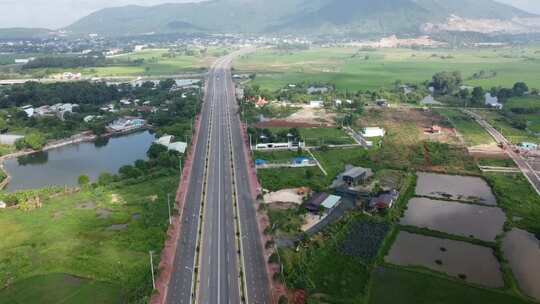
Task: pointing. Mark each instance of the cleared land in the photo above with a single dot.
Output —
(353, 69)
(472, 133)
(101, 234)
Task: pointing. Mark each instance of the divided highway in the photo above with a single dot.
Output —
(219, 218)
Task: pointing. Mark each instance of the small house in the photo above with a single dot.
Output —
(3, 205)
(315, 202)
(493, 101)
(435, 129)
(529, 146)
(356, 175)
(429, 100)
(168, 141)
(29, 110)
(316, 104)
(373, 132)
(383, 103)
(384, 200)
(331, 202)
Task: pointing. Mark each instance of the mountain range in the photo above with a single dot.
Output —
(338, 17)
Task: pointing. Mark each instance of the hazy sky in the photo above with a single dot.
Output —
(58, 13)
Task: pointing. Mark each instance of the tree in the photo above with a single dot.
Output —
(3, 124)
(34, 141)
(105, 178)
(167, 84)
(520, 88)
(83, 180)
(155, 150)
(478, 95)
(464, 94)
(129, 172)
(446, 82)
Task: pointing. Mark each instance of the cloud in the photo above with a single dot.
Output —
(59, 13)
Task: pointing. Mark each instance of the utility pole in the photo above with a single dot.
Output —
(169, 205)
(152, 269)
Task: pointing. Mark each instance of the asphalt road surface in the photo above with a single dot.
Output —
(212, 183)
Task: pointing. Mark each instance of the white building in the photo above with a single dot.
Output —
(29, 110)
(493, 101)
(316, 104)
(168, 141)
(373, 132)
(3, 205)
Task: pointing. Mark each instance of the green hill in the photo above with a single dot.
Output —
(256, 16)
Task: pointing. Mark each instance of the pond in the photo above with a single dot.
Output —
(469, 262)
(454, 187)
(468, 220)
(62, 166)
(522, 250)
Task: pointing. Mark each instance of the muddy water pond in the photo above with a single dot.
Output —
(522, 250)
(454, 187)
(480, 222)
(472, 263)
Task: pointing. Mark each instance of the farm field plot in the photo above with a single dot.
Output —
(465, 188)
(60, 288)
(412, 287)
(467, 220)
(331, 269)
(155, 64)
(354, 69)
(282, 178)
(471, 263)
(102, 234)
(522, 251)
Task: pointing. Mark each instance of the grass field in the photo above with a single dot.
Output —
(277, 179)
(278, 156)
(101, 235)
(61, 288)
(531, 104)
(155, 64)
(473, 134)
(353, 69)
(320, 136)
(397, 286)
(516, 196)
